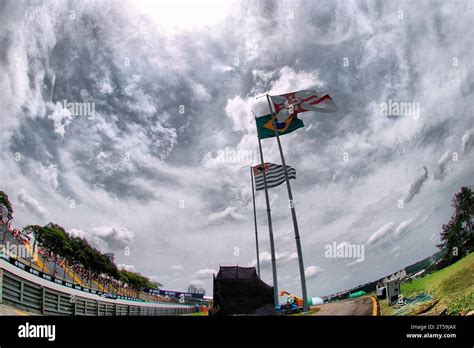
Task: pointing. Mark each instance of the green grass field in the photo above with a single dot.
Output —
(453, 286)
(198, 314)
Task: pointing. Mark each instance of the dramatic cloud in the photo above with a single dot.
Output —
(166, 151)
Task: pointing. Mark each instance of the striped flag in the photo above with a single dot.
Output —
(274, 173)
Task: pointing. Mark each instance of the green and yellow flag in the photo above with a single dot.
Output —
(266, 128)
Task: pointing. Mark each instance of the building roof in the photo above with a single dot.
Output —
(236, 272)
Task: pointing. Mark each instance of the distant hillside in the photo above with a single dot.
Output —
(428, 264)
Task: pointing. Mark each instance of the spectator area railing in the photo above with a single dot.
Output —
(25, 286)
(20, 289)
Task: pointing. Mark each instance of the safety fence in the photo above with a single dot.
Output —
(33, 297)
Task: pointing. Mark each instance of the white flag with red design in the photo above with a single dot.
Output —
(301, 101)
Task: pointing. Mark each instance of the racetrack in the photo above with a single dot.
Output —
(358, 306)
(8, 310)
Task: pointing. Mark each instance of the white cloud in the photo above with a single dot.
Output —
(205, 273)
(402, 227)
(292, 80)
(32, 205)
(106, 238)
(467, 142)
(197, 283)
(115, 236)
(415, 188)
(200, 92)
(356, 261)
(228, 214)
(129, 268)
(266, 259)
(240, 112)
(157, 279)
(440, 171)
(177, 268)
(380, 233)
(293, 256)
(312, 271)
(48, 174)
(61, 118)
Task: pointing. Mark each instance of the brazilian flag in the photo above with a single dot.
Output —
(266, 127)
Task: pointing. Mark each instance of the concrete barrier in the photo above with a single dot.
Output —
(28, 292)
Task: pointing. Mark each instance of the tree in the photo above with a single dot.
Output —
(6, 211)
(457, 236)
(135, 280)
(55, 239)
(78, 251)
(6, 203)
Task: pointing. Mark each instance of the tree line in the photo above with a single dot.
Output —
(76, 251)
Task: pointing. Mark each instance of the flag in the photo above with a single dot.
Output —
(306, 100)
(266, 127)
(274, 174)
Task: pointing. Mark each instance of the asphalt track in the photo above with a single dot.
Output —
(358, 306)
(7, 310)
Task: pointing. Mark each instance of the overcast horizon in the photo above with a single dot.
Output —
(155, 168)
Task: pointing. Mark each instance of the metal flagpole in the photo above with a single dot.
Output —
(255, 220)
(270, 226)
(293, 215)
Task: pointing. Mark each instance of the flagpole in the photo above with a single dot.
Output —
(255, 220)
(270, 226)
(293, 215)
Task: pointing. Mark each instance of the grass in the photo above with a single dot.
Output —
(385, 309)
(453, 286)
(197, 314)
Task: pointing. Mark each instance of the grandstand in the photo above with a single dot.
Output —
(35, 260)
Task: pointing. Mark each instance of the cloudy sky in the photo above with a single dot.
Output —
(155, 171)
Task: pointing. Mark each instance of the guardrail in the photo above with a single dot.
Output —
(37, 297)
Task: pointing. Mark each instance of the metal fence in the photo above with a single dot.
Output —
(35, 298)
